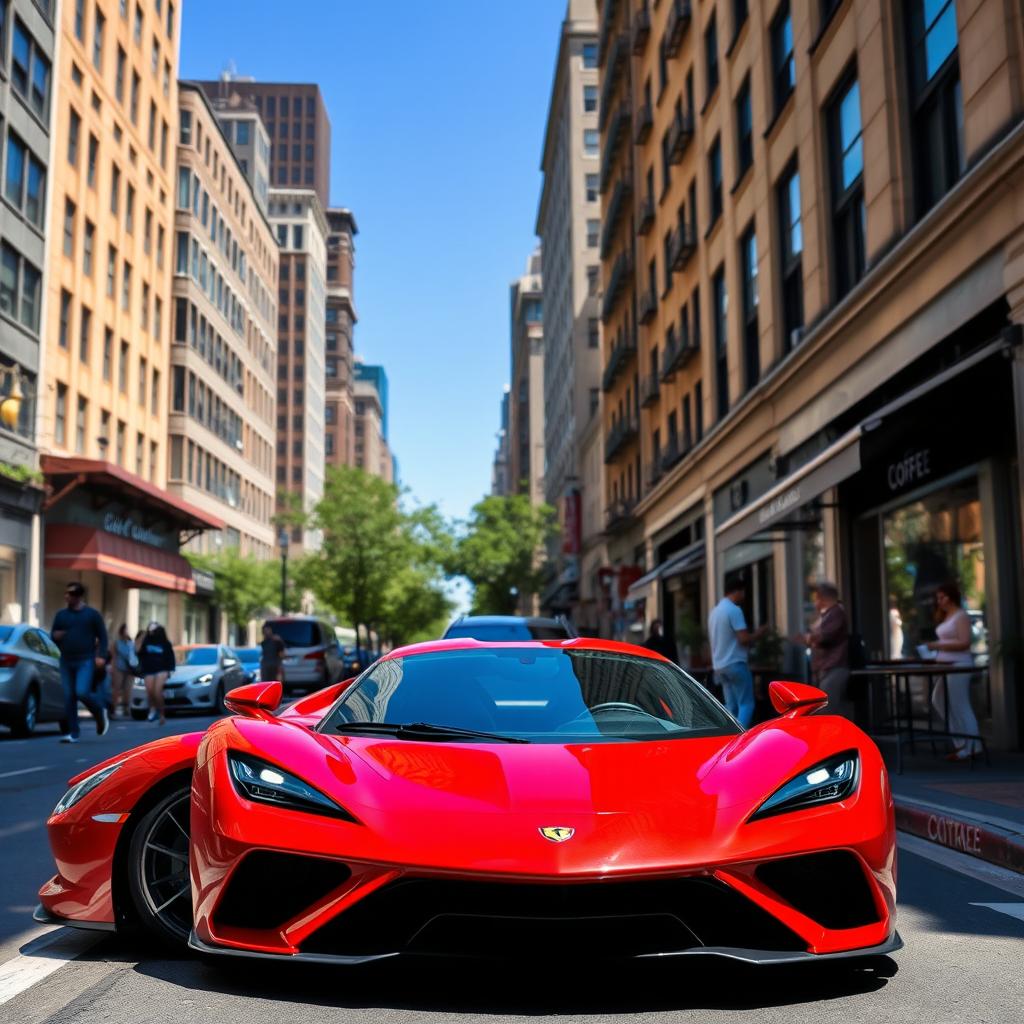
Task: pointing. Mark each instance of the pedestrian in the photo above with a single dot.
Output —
(271, 653)
(81, 635)
(661, 644)
(953, 647)
(730, 639)
(156, 663)
(124, 661)
(829, 641)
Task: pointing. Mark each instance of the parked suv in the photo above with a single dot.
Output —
(509, 628)
(312, 655)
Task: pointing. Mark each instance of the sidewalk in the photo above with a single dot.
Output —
(979, 811)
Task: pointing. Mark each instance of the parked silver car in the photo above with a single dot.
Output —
(312, 654)
(30, 690)
(203, 675)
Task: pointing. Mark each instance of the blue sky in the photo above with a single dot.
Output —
(437, 115)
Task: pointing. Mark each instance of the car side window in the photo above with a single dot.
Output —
(51, 648)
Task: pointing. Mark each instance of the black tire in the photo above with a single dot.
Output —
(24, 723)
(139, 714)
(158, 874)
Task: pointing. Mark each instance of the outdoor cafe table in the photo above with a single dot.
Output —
(900, 677)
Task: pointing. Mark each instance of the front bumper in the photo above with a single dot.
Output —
(178, 697)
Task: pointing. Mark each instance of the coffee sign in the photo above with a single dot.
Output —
(913, 468)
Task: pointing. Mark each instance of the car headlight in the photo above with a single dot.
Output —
(202, 680)
(825, 783)
(267, 784)
(87, 785)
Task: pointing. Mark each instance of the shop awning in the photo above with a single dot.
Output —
(83, 549)
(831, 467)
(689, 558)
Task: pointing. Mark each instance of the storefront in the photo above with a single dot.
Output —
(19, 506)
(121, 537)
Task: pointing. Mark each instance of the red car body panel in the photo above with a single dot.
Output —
(472, 811)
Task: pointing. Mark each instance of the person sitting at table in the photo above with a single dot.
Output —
(953, 647)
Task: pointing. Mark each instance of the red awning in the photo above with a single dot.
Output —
(84, 548)
(64, 474)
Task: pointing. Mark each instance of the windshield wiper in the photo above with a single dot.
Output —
(422, 731)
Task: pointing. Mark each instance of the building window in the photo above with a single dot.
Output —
(715, 182)
(80, 20)
(593, 333)
(783, 63)
(791, 232)
(122, 369)
(30, 70)
(80, 420)
(108, 351)
(133, 109)
(74, 131)
(593, 188)
(93, 157)
(751, 341)
(97, 41)
(739, 16)
(126, 286)
(937, 114)
(720, 301)
(744, 130)
(115, 189)
(593, 231)
(590, 55)
(63, 335)
(591, 141)
(711, 57)
(590, 98)
(129, 209)
(20, 288)
(60, 426)
(142, 381)
(846, 159)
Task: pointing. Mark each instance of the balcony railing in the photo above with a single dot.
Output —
(618, 56)
(644, 124)
(648, 306)
(676, 355)
(650, 389)
(624, 431)
(653, 473)
(673, 454)
(607, 22)
(620, 515)
(679, 136)
(616, 207)
(621, 269)
(617, 129)
(645, 215)
(641, 30)
(678, 22)
(622, 353)
(682, 246)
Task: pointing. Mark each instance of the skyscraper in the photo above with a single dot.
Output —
(339, 344)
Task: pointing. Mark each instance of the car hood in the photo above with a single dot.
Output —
(632, 806)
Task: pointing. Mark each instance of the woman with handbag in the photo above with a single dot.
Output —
(124, 661)
(156, 662)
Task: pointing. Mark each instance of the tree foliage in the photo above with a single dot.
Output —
(499, 551)
(243, 588)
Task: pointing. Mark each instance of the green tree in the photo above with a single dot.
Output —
(499, 551)
(243, 588)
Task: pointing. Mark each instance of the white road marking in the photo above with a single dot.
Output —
(17, 830)
(24, 771)
(39, 958)
(1010, 882)
(1010, 909)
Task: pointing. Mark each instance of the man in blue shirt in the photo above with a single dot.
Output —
(730, 639)
(81, 634)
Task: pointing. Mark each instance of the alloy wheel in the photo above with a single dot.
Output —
(166, 885)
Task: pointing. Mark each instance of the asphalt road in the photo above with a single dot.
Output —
(962, 961)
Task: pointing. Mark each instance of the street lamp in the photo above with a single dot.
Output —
(282, 540)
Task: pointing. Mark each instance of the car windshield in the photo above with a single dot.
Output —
(247, 653)
(296, 632)
(198, 656)
(545, 695)
(506, 632)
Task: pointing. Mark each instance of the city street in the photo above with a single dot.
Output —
(962, 922)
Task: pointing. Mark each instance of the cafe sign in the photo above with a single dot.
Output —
(124, 526)
(912, 468)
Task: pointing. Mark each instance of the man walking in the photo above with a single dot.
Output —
(271, 652)
(81, 635)
(661, 644)
(730, 638)
(829, 641)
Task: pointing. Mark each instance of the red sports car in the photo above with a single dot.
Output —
(462, 798)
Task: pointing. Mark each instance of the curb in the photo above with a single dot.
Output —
(963, 833)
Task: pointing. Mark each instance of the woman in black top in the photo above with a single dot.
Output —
(156, 663)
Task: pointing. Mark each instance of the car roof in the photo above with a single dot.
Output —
(508, 620)
(575, 644)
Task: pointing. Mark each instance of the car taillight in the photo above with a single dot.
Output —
(316, 656)
(8, 660)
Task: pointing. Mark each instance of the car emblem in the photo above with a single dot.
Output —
(557, 833)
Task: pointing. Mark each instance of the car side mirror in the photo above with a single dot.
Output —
(796, 698)
(257, 700)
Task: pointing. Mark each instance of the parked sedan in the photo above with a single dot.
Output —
(204, 673)
(30, 690)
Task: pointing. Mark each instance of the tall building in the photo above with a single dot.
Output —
(817, 283)
(224, 345)
(109, 518)
(300, 225)
(370, 448)
(526, 402)
(340, 354)
(297, 125)
(500, 485)
(242, 126)
(27, 96)
(568, 224)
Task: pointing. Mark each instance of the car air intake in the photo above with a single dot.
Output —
(268, 889)
(829, 888)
